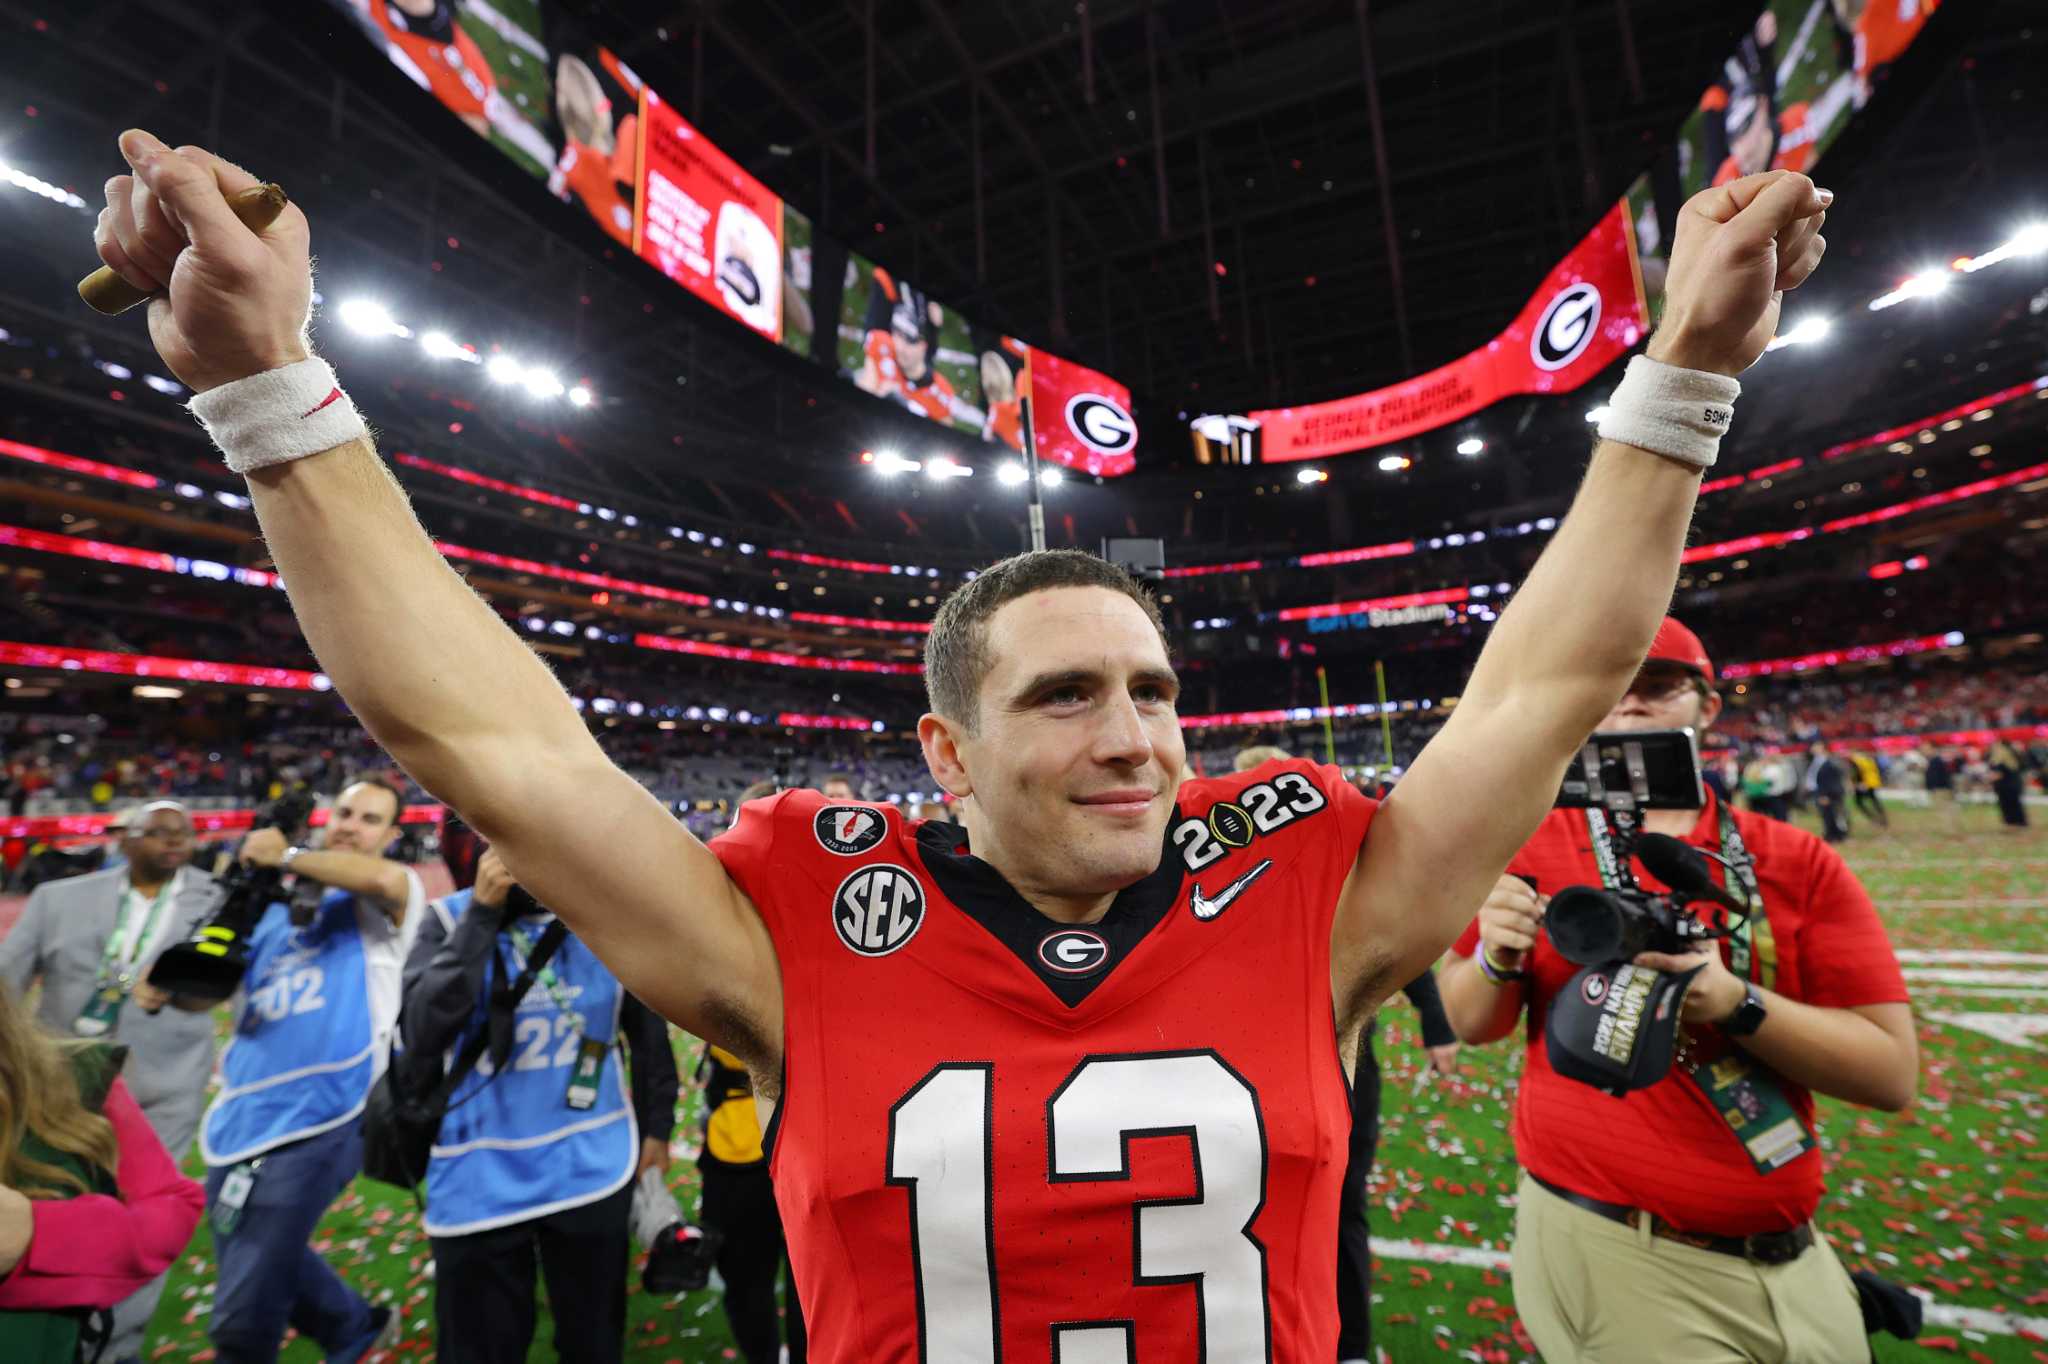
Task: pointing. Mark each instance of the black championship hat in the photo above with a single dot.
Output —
(1615, 1026)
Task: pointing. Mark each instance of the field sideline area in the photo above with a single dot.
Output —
(1950, 1197)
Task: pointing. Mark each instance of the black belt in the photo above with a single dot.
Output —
(1765, 1248)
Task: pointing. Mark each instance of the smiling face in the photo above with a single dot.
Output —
(1074, 752)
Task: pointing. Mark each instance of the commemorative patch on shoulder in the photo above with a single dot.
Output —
(1261, 808)
(850, 830)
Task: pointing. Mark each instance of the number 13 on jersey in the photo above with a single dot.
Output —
(941, 1150)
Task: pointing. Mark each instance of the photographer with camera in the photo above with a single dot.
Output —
(284, 1137)
(1672, 1218)
(539, 1149)
(91, 940)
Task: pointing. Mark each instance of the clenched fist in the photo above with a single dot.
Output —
(1508, 922)
(228, 302)
(1739, 247)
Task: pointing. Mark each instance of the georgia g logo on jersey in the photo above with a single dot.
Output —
(1073, 952)
(878, 909)
(1101, 423)
(1569, 323)
(849, 830)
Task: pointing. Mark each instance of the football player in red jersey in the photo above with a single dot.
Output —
(1062, 1082)
(428, 43)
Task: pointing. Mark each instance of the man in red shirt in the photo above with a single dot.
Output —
(1675, 1222)
(1063, 1083)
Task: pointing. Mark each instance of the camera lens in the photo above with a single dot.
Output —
(1588, 926)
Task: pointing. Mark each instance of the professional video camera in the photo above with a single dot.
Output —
(208, 966)
(1615, 1026)
(1621, 775)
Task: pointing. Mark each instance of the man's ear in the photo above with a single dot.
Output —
(1710, 709)
(941, 739)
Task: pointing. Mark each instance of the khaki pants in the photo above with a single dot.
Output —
(1589, 1289)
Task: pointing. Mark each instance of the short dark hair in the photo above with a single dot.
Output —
(389, 788)
(956, 660)
(762, 788)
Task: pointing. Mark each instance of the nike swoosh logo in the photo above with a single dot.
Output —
(1208, 907)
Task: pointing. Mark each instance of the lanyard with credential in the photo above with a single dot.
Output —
(1746, 1094)
(523, 949)
(135, 929)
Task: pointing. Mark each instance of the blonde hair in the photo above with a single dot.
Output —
(1248, 758)
(39, 1094)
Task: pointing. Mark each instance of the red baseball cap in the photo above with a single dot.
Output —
(1676, 644)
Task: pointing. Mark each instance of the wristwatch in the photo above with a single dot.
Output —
(1748, 1015)
(291, 855)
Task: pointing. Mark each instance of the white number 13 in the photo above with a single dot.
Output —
(941, 1149)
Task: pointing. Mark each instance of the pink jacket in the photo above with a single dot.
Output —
(94, 1250)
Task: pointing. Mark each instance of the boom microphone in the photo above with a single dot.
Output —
(1682, 867)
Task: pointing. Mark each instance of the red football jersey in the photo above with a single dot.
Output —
(1004, 1137)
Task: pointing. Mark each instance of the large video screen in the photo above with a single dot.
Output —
(523, 75)
(1793, 83)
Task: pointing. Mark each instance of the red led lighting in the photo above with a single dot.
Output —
(167, 669)
(827, 561)
(920, 627)
(92, 468)
(498, 485)
(103, 552)
(203, 821)
(1862, 653)
(1940, 499)
(2004, 395)
(571, 575)
(1199, 570)
(1345, 608)
(778, 658)
(796, 721)
(1352, 556)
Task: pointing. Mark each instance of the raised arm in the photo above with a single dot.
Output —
(462, 704)
(1576, 631)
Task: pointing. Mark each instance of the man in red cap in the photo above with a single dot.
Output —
(1675, 1221)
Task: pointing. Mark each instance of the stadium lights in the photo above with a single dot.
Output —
(888, 463)
(1050, 478)
(370, 318)
(2031, 240)
(1306, 476)
(944, 467)
(1926, 284)
(1807, 332)
(503, 369)
(543, 383)
(1471, 445)
(1011, 474)
(56, 194)
(442, 346)
(581, 396)
(1394, 464)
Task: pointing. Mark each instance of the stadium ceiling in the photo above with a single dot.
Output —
(1188, 195)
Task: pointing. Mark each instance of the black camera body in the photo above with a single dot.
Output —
(208, 966)
(1622, 774)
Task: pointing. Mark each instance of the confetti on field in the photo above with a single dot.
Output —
(1949, 1197)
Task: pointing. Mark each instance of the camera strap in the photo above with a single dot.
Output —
(1747, 1095)
(523, 949)
(1752, 951)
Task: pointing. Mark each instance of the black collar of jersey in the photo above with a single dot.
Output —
(991, 901)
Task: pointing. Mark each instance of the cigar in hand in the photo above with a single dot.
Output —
(106, 292)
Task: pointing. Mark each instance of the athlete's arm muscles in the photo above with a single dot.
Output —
(1561, 655)
(476, 718)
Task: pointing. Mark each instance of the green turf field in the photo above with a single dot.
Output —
(1950, 1196)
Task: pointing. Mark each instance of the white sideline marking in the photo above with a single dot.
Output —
(1936, 1313)
(1968, 957)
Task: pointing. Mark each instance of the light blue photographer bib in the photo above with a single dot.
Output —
(511, 1148)
(303, 1054)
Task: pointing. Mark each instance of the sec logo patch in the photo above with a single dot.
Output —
(878, 909)
(849, 830)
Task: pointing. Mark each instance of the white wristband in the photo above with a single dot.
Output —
(279, 415)
(1680, 413)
